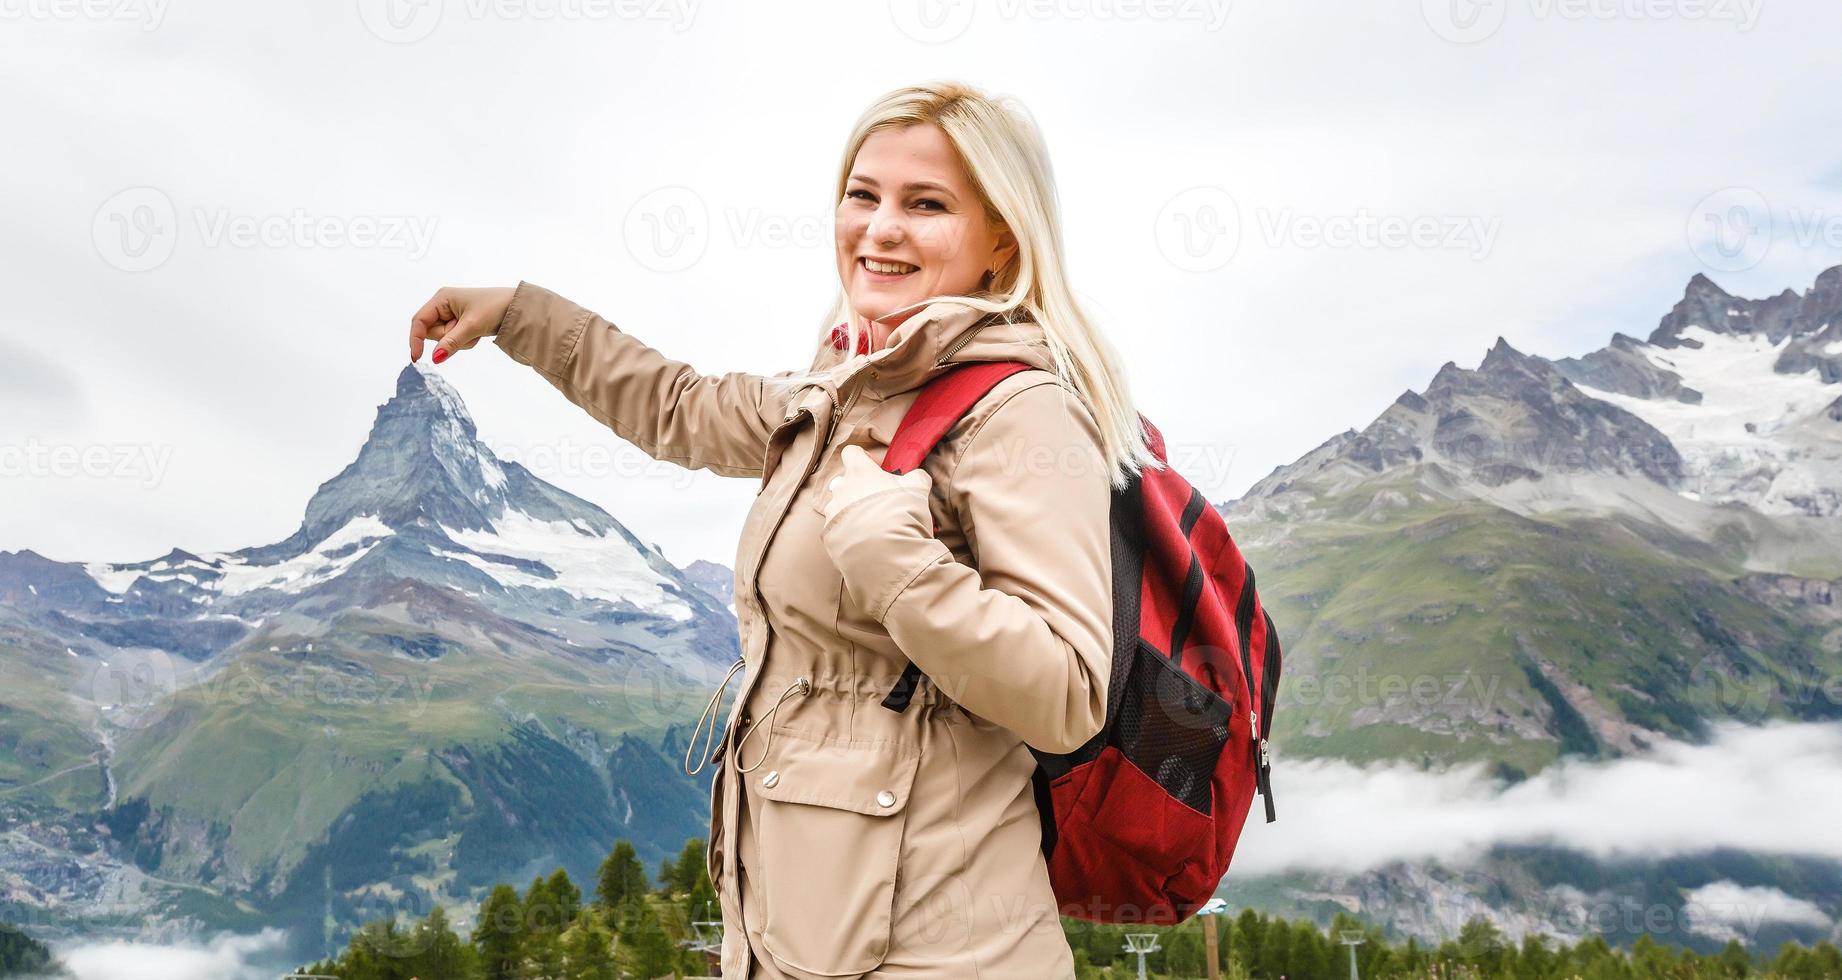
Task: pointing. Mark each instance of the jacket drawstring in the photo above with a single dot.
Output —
(800, 686)
(714, 714)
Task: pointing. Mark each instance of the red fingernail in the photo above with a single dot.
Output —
(441, 354)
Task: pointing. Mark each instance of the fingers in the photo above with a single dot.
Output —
(429, 322)
(462, 336)
(857, 463)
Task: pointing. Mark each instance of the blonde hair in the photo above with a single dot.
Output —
(998, 142)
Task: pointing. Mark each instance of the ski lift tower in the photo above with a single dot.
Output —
(706, 938)
(1351, 938)
(1144, 944)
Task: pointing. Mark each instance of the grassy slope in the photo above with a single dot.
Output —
(276, 749)
(1431, 588)
(48, 748)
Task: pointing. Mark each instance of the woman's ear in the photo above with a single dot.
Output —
(1005, 252)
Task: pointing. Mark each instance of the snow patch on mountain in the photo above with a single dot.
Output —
(334, 554)
(1739, 442)
(229, 574)
(111, 577)
(586, 564)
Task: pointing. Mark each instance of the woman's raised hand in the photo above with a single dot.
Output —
(457, 317)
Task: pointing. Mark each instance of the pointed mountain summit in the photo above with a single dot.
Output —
(423, 465)
(426, 511)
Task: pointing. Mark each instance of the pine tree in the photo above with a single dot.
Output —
(652, 950)
(438, 952)
(588, 950)
(621, 877)
(566, 897)
(499, 934)
(692, 866)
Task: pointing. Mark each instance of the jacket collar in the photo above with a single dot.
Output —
(936, 337)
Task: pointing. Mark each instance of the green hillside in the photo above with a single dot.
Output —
(1440, 630)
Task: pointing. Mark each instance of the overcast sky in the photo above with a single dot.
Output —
(218, 216)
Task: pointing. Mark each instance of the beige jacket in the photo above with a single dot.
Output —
(848, 839)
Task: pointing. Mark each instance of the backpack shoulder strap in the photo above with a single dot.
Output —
(941, 404)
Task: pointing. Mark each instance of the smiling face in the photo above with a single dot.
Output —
(911, 226)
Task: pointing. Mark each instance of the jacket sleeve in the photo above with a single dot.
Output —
(1025, 639)
(672, 413)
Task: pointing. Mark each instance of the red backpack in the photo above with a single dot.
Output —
(1140, 823)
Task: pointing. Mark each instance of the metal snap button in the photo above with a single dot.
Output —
(771, 778)
(885, 798)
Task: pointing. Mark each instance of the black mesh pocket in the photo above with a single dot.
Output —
(1171, 727)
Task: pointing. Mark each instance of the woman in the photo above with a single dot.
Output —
(850, 838)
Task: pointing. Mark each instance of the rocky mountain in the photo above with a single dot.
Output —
(1578, 557)
(1730, 402)
(452, 673)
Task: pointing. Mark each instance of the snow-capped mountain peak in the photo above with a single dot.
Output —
(1730, 402)
(423, 502)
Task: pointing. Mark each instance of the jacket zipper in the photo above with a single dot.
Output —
(839, 411)
(961, 342)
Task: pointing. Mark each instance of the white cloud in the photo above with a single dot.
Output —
(1728, 910)
(225, 957)
(1773, 789)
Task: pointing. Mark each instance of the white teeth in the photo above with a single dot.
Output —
(888, 268)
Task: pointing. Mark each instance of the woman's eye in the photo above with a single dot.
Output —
(866, 194)
(929, 200)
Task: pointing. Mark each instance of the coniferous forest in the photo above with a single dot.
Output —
(635, 925)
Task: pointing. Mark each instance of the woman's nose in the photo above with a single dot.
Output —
(887, 226)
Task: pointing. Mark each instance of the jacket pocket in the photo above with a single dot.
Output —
(830, 822)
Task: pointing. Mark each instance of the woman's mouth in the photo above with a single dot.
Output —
(886, 271)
